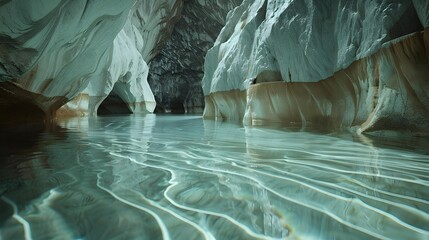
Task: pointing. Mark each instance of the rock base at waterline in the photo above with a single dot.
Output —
(386, 91)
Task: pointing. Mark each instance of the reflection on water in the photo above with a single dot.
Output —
(179, 177)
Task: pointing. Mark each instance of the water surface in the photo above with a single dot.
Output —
(179, 177)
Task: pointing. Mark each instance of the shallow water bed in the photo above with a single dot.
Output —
(179, 177)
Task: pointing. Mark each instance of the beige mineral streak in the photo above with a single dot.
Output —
(388, 90)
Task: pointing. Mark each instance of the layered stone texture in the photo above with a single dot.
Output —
(327, 63)
(176, 72)
(81, 52)
(53, 48)
(388, 90)
(155, 21)
(125, 77)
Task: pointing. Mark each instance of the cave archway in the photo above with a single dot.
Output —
(113, 104)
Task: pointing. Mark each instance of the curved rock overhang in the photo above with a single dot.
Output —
(388, 90)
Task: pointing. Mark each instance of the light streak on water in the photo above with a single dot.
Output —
(179, 177)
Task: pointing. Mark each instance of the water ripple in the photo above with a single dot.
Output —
(152, 177)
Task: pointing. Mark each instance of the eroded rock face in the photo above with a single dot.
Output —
(148, 27)
(175, 74)
(155, 20)
(82, 51)
(53, 48)
(125, 77)
(336, 63)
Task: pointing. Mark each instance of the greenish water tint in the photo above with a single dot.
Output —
(179, 177)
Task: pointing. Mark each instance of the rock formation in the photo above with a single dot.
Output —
(81, 52)
(175, 74)
(49, 52)
(337, 63)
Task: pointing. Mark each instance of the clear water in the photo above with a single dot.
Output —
(179, 177)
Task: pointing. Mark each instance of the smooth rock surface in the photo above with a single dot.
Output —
(53, 48)
(70, 49)
(360, 50)
(124, 80)
(306, 42)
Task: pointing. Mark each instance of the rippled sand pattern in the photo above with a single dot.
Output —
(179, 177)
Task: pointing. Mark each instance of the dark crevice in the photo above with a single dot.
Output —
(262, 13)
(408, 23)
(17, 106)
(113, 104)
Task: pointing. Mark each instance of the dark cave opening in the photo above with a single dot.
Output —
(113, 104)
